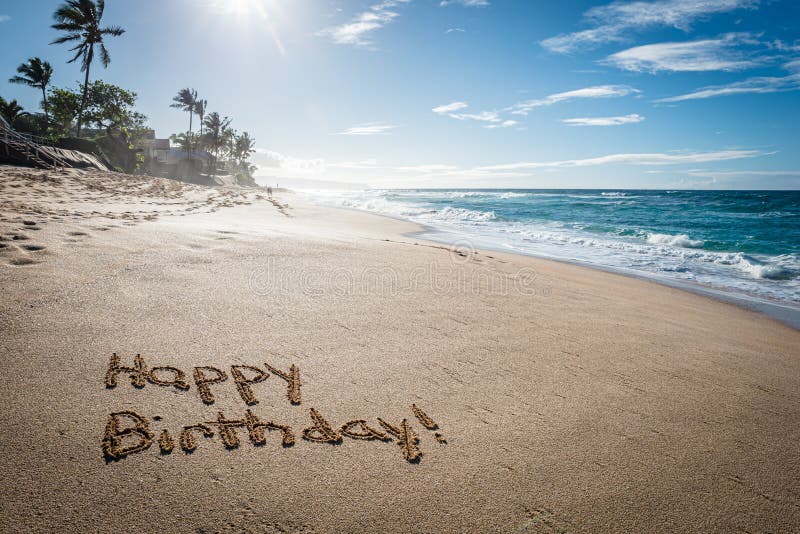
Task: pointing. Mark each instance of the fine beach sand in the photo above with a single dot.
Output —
(569, 399)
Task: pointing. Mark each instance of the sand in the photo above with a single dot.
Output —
(433, 390)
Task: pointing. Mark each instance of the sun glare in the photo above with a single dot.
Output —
(252, 13)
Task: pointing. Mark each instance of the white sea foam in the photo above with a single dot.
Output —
(675, 256)
(680, 240)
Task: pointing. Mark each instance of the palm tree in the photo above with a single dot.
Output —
(200, 109)
(216, 132)
(229, 143)
(81, 20)
(245, 145)
(35, 73)
(10, 111)
(186, 100)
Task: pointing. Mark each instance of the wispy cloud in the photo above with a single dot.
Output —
(634, 159)
(468, 3)
(597, 91)
(612, 22)
(755, 85)
(604, 121)
(4, 18)
(457, 30)
(504, 124)
(449, 108)
(763, 84)
(493, 118)
(358, 31)
(371, 128)
(729, 52)
(266, 158)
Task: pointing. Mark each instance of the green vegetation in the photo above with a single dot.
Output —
(35, 73)
(222, 144)
(100, 117)
(80, 20)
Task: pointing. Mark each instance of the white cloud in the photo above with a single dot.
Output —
(4, 18)
(357, 32)
(750, 85)
(598, 91)
(468, 3)
(755, 85)
(612, 22)
(604, 121)
(459, 30)
(265, 158)
(371, 128)
(504, 124)
(725, 53)
(484, 116)
(363, 164)
(449, 108)
(633, 159)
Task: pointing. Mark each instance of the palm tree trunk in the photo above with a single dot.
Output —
(189, 155)
(200, 139)
(44, 102)
(83, 99)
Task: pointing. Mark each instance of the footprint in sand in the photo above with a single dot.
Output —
(77, 233)
(23, 260)
(33, 248)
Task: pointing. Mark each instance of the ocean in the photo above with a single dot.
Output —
(746, 243)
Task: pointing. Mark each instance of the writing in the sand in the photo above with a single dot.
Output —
(128, 432)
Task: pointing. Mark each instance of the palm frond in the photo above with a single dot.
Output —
(67, 38)
(105, 59)
(113, 30)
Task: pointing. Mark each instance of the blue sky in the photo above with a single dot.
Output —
(470, 93)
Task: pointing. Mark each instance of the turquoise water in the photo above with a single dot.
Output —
(744, 242)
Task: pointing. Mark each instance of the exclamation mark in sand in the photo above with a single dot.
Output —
(428, 423)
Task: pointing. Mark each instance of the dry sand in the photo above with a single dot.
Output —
(569, 399)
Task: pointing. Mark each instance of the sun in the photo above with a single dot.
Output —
(253, 14)
(246, 9)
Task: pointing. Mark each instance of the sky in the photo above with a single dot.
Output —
(667, 94)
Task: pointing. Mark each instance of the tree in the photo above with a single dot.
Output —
(11, 111)
(35, 73)
(111, 108)
(200, 107)
(229, 142)
(64, 107)
(80, 19)
(182, 139)
(244, 146)
(216, 133)
(186, 100)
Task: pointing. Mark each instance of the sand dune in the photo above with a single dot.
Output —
(373, 382)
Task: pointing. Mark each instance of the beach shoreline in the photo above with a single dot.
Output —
(784, 312)
(542, 396)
